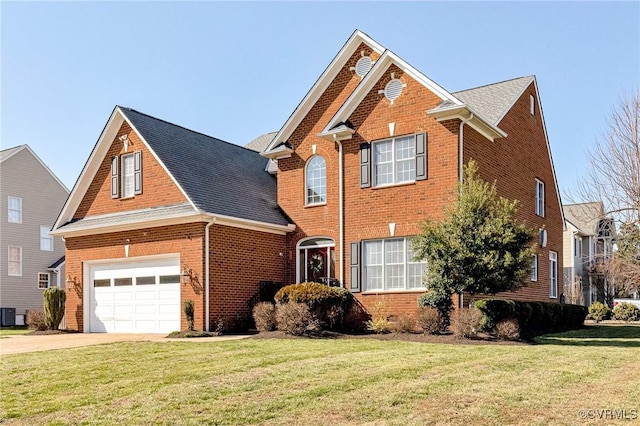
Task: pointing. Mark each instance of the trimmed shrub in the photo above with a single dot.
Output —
(187, 307)
(442, 302)
(356, 317)
(326, 304)
(54, 299)
(404, 324)
(35, 320)
(264, 315)
(508, 330)
(293, 318)
(626, 312)
(599, 312)
(429, 320)
(466, 323)
(379, 322)
(533, 318)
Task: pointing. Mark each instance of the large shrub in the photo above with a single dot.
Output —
(54, 299)
(533, 318)
(626, 312)
(35, 320)
(441, 302)
(429, 320)
(466, 323)
(599, 312)
(293, 318)
(264, 315)
(327, 304)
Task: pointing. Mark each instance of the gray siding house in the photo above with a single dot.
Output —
(31, 259)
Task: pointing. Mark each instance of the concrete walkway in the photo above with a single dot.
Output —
(23, 343)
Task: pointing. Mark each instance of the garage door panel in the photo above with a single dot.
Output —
(151, 306)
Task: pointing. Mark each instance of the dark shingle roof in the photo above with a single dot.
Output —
(219, 177)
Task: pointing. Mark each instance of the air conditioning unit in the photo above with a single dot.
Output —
(7, 317)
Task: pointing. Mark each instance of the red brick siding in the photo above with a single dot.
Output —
(158, 188)
(515, 162)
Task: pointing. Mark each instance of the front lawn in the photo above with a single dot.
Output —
(12, 331)
(327, 381)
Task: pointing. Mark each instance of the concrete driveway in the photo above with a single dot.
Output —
(22, 343)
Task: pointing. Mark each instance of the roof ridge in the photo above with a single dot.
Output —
(492, 84)
(14, 147)
(183, 128)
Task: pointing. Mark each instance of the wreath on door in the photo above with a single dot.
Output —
(316, 263)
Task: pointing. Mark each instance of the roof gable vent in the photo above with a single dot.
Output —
(363, 66)
(393, 89)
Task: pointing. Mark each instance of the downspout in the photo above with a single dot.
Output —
(207, 273)
(461, 176)
(340, 210)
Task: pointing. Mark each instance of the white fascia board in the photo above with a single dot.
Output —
(173, 179)
(90, 168)
(131, 225)
(381, 66)
(278, 153)
(253, 225)
(323, 83)
(477, 122)
(340, 133)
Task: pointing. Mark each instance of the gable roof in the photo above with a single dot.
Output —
(216, 177)
(8, 153)
(261, 142)
(494, 100)
(323, 82)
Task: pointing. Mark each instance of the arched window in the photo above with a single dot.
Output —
(316, 181)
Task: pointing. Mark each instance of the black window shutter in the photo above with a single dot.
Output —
(421, 156)
(137, 172)
(114, 178)
(365, 165)
(355, 267)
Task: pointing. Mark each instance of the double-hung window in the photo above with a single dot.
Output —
(14, 209)
(15, 261)
(126, 175)
(539, 198)
(389, 265)
(534, 267)
(46, 240)
(394, 161)
(553, 274)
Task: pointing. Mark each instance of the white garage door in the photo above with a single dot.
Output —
(135, 297)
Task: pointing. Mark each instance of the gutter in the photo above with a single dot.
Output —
(341, 210)
(461, 175)
(207, 273)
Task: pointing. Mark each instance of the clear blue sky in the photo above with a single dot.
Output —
(237, 70)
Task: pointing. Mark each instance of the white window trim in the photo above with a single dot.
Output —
(534, 268)
(299, 247)
(306, 182)
(374, 173)
(553, 271)
(407, 261)
(123, 178)
(9, 261)
(48, 280)
(540, 197)
(9, 209)
(47, 237)
(532, 105)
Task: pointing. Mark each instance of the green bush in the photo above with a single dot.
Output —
(599, 312)
(442, 302)
(264, 315)
(293, 318)
(187, 307)
(626, 312)
(54, 299)
(327, 304)
(533, 318)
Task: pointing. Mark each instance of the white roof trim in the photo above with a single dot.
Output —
(28, 148)
(476, 121)
(93, 163)
(252, 224)
(323, 83)
(387, 59)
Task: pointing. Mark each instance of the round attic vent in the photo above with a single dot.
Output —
(393, 89)
(363, 66)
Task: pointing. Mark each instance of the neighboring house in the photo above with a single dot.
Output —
(31, 259)
(588, 247)
(162, 214)
(375, 147)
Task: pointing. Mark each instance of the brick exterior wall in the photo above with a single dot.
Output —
(369, 211)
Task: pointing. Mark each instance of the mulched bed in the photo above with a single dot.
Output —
(192, 334)
(482, 339)
(48, 332)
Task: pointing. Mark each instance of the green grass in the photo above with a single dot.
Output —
(315, 381)
(12, 331)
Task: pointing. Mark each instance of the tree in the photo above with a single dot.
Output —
(614, 177)
(479, 247)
